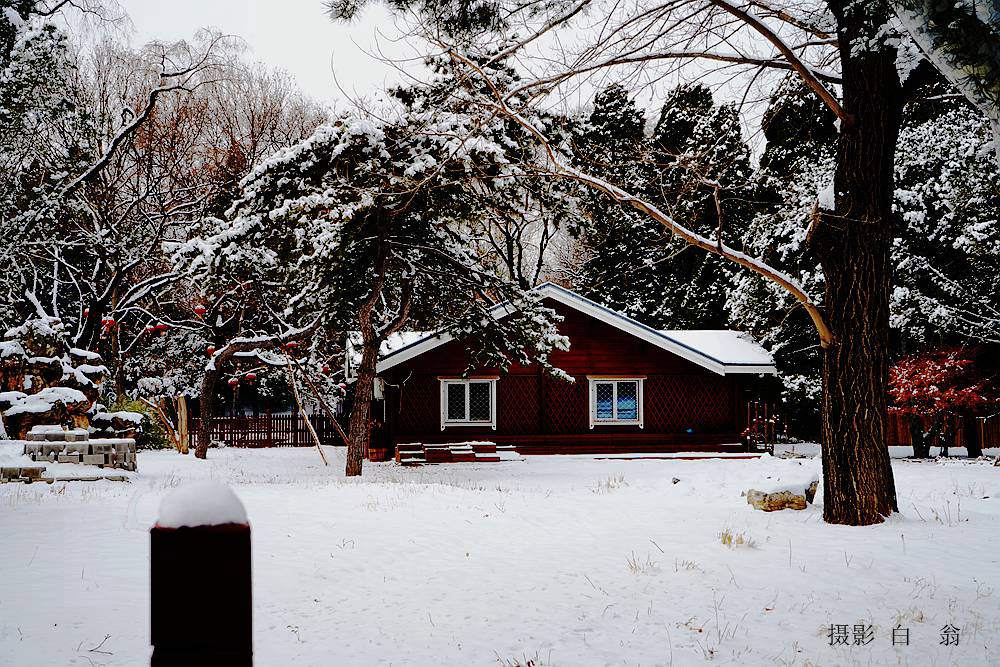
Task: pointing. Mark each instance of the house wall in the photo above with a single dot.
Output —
(546, 413)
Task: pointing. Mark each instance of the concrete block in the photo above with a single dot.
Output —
(69, 458)
(94, 459)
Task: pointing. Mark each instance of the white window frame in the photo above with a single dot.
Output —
(446, 382)
(613, 380)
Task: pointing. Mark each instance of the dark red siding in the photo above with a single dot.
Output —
(538, 412)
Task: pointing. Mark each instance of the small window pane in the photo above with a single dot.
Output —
(628, 400)
(604, 395)
(456, 401)
(479, 401)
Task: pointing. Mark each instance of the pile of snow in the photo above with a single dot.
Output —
(203, 503)
(46, 429)
(12, 455)
(793, 478)
(45, 400)
(84, 373)
(11, 348)
(122, 415)
(85, 354)
(11, 396)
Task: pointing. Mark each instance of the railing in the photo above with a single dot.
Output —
(764, 426)
(269, 430)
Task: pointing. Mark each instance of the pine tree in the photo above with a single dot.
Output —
(947, 255)
(702, 177)
(694, 165)
(618, 248)
(364, 226)
(796, 165)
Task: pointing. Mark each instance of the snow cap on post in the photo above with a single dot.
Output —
(206, 503)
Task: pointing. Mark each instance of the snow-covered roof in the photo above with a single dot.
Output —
(721, 351)
(724, 345)
(391, 344)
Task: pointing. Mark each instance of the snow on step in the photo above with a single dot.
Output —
(474, 451)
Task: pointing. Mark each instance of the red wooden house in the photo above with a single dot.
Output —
(636, 389)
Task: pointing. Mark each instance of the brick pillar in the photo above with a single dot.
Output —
(200, 592)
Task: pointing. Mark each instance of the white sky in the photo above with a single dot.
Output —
(298, 36)
(295, 35)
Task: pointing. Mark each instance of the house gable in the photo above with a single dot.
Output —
(743, 355)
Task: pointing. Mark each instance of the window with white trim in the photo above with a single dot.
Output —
(615, 401)
(471, 402)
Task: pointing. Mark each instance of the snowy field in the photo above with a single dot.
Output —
(547, 561)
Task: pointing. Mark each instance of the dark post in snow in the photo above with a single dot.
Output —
(200, 587)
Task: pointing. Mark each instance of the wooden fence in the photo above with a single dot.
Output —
(989, 430)
(984, 431)
(269, 430)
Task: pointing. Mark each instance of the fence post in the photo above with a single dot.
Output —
(200, 585)
(182, 424)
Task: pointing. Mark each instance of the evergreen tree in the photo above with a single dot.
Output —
(365, 226)
(703, 168)
(947, 254)
(694, 166)
(946, 251)
(618, 249)
(797, 163)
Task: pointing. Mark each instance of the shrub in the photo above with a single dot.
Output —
(151, 434)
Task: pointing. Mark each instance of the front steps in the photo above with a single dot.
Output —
(415, 454)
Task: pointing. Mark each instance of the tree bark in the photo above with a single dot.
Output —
(206, 403)
(359, 426)
(852, 244)
(182, 424)
(918, 438)
(973, 441)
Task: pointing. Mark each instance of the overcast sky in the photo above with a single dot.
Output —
(295, 35)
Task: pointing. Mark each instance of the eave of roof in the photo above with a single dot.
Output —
(604, 314)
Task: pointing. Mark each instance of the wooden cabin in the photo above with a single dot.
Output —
(635, 389)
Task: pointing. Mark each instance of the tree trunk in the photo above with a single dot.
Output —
(945, 435)
(359, 427)
(973, 443)
(182, 424)
(918, 438)
(852, 244)
(206, 402)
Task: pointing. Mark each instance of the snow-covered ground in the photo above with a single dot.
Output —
(554, 560)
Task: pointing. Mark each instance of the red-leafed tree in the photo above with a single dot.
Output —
(933, 389)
